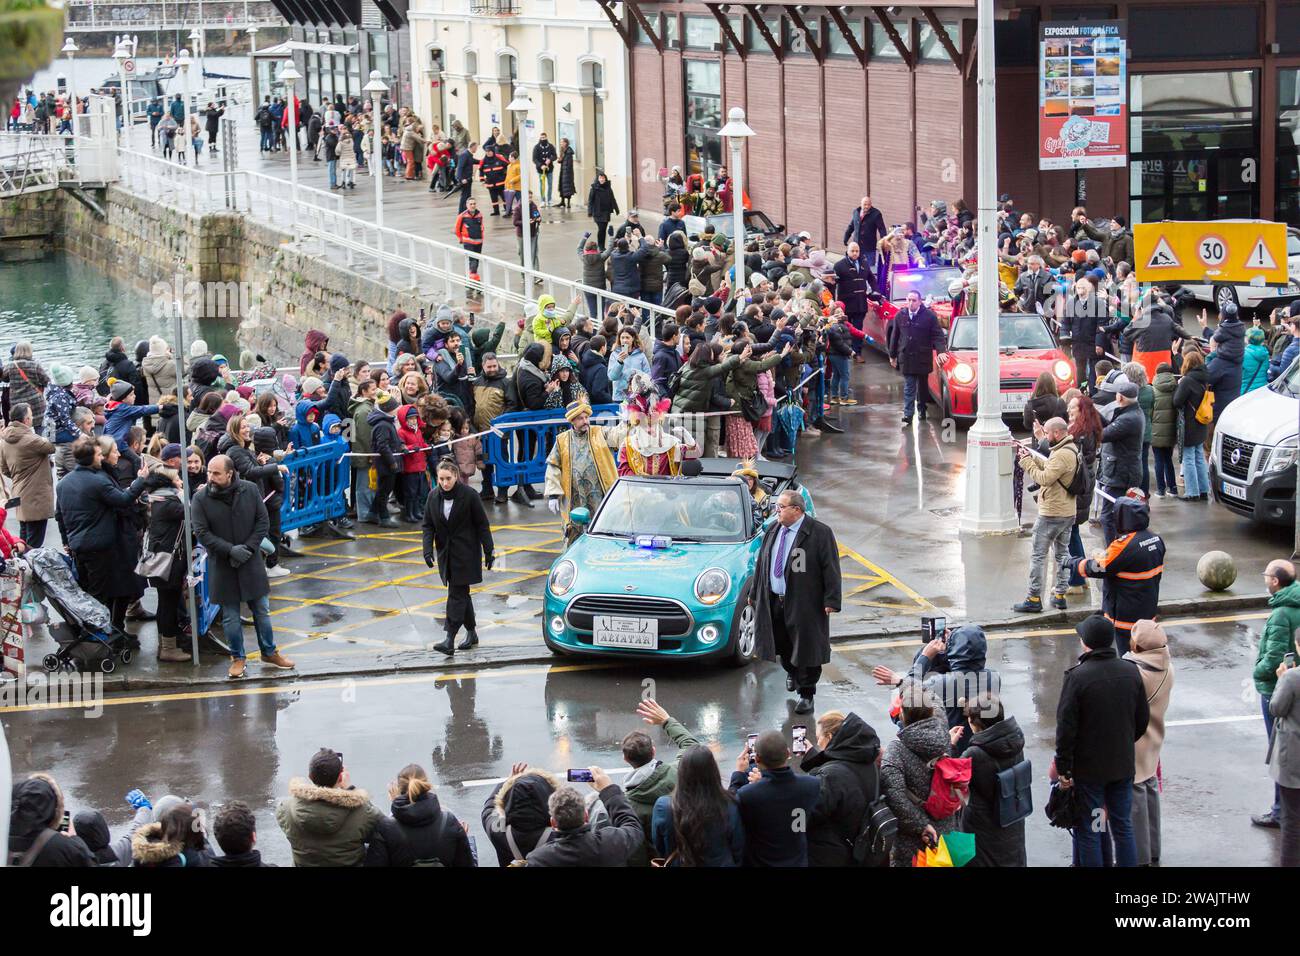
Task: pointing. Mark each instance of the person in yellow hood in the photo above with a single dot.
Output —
(549, 317)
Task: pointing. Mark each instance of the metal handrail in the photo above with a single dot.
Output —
(320, 216)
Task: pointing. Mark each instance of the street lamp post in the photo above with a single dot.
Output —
(196, 44)
(70, 49)
(120, 56)
(252, 40)
(377, 89)
(183, 61)
(520, 106)
(289, 75)
(989, 508)
(737, 131)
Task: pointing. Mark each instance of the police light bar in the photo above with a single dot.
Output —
(653, 542)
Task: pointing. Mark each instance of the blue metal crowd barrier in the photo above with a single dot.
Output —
(206, 610)
(518, 455)
(314, 488)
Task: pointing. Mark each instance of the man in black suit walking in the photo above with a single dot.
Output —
(914, 336)
(866, 226)
(456, 525)
(796, 589)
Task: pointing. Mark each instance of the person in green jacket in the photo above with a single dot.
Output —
(651, 778)
(1254, 364)
(327, 820)
(742, 383)
(1277, 639)
(695, 384)
(1164, 429)
(482, 341)
(1147, 401)
(360, 408)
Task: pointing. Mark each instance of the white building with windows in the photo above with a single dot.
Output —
(468, 55)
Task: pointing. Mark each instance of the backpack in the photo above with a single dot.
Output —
(1205, 410)
(1082, 481)
(1015, 793)
(28, 857)
(949, 786)
(876, 837)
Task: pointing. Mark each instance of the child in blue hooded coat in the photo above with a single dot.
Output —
(306, 430)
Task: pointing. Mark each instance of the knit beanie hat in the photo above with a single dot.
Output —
(87, 376)
(61, 374)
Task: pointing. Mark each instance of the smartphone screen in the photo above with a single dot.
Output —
(800, 744)
(67, 818)
(1289, 659)
(580, 776)
(749, 744)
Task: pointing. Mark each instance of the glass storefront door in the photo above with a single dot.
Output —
(1193, 146)
(703, 117)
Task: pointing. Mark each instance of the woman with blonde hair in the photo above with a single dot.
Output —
(419, 832)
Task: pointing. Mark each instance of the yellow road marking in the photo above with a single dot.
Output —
(878, 577)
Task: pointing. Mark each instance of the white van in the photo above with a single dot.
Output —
(1253, 462)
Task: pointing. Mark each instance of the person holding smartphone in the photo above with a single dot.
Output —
(39, 831)
(1284, 756)
(575, 843)
(844, 762)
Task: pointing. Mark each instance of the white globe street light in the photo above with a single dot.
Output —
(520, 106)
(183, 60)
(737, 131)
(70, 50)
(377, 89)
(121, 53)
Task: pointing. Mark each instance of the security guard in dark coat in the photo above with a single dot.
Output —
(796, 587)
(456, 525)
(1131, 568)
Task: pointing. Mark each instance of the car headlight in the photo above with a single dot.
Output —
(1063, 370)
(963, 374)
(562, 577)
(712, 585)
(1281, 458)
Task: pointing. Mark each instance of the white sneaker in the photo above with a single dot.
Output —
(279, 571)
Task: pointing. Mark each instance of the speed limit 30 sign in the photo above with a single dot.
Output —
(1237, 252)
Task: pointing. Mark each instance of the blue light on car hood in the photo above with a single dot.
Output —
(653, 542)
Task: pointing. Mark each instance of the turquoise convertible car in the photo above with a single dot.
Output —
(664, 568)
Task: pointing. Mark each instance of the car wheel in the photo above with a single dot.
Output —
(1225, 295)
(50, 662)
(744, 630)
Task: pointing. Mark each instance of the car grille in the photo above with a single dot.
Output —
(1017, 384)
(1242, 468)
(674, 619)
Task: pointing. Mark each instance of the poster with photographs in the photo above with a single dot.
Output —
(1082, 95)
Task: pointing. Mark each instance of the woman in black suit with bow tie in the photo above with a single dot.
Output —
(456, 526)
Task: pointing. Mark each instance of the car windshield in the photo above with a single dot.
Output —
(1288, 383)
(932, 283)
(1018, 330)
(681, 510)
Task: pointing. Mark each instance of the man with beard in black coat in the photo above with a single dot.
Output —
(866, 227)
(914, 337)
(796, 587)
(844, 763)
(456, 527)
(231, 522)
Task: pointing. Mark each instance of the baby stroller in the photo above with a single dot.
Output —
(86, 636)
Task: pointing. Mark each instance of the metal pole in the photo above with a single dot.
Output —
(738, 222)
(293, 151)
(126, 105)
(178, 333)
(185, 121)
(377, 170)
(72, 92)
(525, 161)
(989, 508)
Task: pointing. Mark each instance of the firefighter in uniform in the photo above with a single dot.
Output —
(492, 170)
(469, 232)
(1130, 570)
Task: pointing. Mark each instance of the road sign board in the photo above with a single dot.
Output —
(1235, 252)
(128, 67)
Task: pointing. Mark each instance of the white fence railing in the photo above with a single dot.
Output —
(33, 161)
(425, 264)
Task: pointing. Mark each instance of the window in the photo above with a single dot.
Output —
(702, 33)
(1193, 32)
(379, 54)
(882, 47)
(1288, 28)
(796, 42)
(840, 46)
(669, 30)
(703, 116)
(1193, 146)
(1288, 146)
(931, 49)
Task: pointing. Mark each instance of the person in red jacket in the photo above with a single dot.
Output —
(469, 233)
(414, 464)
(9, 545)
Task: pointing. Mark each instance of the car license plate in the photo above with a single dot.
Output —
(639, 633)
(1234, 491)
(1014, 401)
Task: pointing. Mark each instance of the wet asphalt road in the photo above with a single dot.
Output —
(246, 742)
